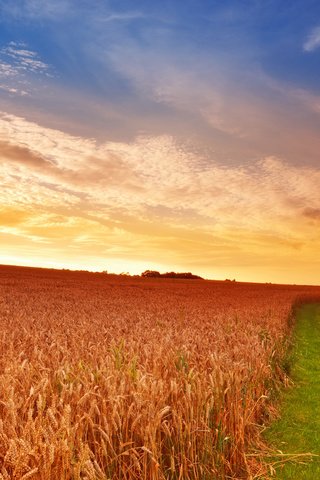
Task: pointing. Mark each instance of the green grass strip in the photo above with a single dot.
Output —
(298, 429)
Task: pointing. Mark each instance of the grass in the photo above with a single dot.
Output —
(298, 429)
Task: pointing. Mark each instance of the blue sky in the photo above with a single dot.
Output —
(119, 51)
(270, 33)
(126, 53)
(222, 96)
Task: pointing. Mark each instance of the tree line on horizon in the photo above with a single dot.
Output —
(156, 274)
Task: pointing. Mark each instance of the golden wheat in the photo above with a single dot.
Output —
(106, 377)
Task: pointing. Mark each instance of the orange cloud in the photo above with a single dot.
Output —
(153, 198)
(11, 217)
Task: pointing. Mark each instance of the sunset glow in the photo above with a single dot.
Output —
(172, 136)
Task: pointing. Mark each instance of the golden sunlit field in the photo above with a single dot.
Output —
(110, 377)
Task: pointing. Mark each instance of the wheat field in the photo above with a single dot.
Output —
(110, 377)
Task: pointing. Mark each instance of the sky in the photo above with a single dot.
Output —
(164, 135)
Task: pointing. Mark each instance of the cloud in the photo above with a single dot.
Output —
(122, 17)
(313, 40)
(35, 9)
(155, 176)
(313, 213)
(150, 198)
(22, 60)
(12, 217)
(17, 65)
(237, 112)
(13, 91)
(63, 10)
(7, 70)
(21, 154)
(25, 60)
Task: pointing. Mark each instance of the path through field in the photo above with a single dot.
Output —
(298, 430)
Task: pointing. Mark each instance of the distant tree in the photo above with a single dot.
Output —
(155, 274)
(150, 273)
(185, 275)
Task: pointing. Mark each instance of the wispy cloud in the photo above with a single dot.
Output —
(247, 107)
(122, 17)
(17, 64)
(13, 91)
(313, 40)
(35, 9)
(20, 59)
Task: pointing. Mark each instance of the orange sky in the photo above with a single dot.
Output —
(71, 202)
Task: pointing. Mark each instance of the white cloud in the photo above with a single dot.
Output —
(7, 70)
(23, 60)
(13, 91)
(313, 40)
(122, 17)
(17, 65)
